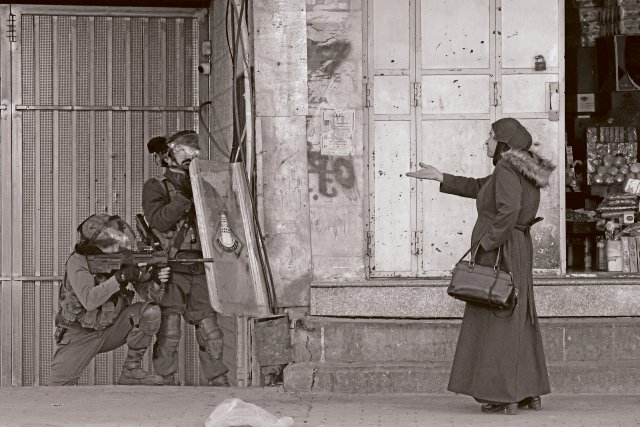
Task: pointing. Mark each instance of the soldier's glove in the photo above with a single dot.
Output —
(129, 274)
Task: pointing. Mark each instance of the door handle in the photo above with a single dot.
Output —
(553, 100)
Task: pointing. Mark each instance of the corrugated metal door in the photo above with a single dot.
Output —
(6, 284)
(89, 87)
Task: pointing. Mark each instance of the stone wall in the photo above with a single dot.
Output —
(334, 138)
(280, 57)
(589, 355)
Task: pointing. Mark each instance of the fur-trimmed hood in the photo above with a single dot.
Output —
(534, 167)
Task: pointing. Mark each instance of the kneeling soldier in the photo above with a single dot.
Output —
(95, 311)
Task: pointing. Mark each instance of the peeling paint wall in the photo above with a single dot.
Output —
(334, 138)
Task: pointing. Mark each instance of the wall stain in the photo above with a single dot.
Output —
(332, 171)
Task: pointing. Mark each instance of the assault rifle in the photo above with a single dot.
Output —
(152, 255)
(107, 263)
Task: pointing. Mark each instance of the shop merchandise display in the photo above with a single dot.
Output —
(606, 237)
(600, 18)
(612, 153)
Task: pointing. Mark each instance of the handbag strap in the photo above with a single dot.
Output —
(477, 244)
(472, 260)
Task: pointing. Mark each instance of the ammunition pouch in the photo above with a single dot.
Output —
(103, 316)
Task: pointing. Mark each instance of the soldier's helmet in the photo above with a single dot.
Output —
(104, 230)
(184, 140)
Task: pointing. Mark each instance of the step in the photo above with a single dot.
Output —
(338, 340)
(621, 377)
(584, 295)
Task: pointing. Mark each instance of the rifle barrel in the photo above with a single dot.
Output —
(192, 260)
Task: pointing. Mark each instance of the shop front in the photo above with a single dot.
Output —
(434, 77)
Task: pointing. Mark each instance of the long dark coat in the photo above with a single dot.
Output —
(501, 359)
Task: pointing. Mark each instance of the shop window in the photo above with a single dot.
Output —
(603, 126)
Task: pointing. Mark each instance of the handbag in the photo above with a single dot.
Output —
(481, 284)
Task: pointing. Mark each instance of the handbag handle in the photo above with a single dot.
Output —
(472, 261)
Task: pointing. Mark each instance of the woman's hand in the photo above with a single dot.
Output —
(427, 172)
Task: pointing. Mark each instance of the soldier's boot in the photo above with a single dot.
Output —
(132, 372)
(145, 326)
(209, 337)
(172, 379)
(220, 381)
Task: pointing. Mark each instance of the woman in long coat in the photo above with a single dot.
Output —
(499, 359)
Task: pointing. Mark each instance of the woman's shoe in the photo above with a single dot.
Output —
(500, 408)
(533, 402)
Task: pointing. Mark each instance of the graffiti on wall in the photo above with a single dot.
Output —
(332, 63)
(333, 172)
(335, 93)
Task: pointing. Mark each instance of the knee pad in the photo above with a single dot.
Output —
(170, 332)
(209, 336)
(150, 318)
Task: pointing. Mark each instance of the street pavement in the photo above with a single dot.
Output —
(190, 406)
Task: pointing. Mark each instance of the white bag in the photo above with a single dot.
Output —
(235, 412)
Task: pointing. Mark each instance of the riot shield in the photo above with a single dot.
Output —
(225, 220)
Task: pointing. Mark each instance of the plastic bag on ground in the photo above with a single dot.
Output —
(236, 412)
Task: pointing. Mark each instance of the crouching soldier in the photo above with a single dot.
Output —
(95, 310)
(167, 202)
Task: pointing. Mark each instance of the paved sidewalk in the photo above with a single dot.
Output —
(190, 406)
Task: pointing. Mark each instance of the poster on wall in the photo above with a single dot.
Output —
(337, 132)
(225, 222)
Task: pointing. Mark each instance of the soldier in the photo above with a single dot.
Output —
(95, 312)
(167, 202)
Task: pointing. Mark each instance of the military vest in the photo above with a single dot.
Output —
(72, 314)
(184, 236)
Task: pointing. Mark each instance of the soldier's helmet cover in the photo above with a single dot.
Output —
(157, 145)
(104, 230)
(185, 140)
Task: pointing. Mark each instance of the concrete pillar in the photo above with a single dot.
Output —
(280, 57)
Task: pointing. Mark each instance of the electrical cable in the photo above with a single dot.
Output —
(236, 31)
(226, 20)
(244, 57)
(209, 134)
(242, 150)
(238, 149)
(264, 261)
